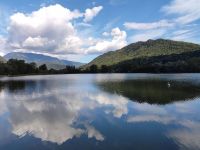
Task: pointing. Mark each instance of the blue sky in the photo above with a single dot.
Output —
(83, 29)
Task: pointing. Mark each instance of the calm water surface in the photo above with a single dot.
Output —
(101, 112)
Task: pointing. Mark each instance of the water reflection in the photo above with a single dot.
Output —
(12, 86)
(96, 114)
(181, 121)
(47, 116)
(153, 91)
(52, 114)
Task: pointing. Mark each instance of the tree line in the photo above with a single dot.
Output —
(20, 67)
(175, 63)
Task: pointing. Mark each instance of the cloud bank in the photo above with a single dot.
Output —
(44, 31)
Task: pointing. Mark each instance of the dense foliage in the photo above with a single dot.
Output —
(19, 67)
(188, 62)
(176, 63)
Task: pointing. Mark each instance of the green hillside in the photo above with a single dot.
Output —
(150, 48)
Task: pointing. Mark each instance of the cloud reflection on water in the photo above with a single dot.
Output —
(54, 114)
(51, 114)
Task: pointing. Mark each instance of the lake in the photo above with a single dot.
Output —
(100, 111)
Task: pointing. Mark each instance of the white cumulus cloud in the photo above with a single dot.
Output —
(91, 13)
(44, 31)
(117, 41)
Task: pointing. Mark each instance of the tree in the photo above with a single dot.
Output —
(31, 68)
(43, 67)
(17, 66)
(93, 68)
(104, 69)
(70, 69)
(33, 65)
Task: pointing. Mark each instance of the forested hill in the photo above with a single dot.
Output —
(143, 50)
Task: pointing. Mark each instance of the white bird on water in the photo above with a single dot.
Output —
(169, 85)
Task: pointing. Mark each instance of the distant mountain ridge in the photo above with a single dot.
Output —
(39, 59)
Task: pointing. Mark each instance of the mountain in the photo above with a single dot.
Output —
(149, 48)
(2, 59)
(39, 59)
(151, 55)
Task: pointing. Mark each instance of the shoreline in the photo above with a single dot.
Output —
(24, 75)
